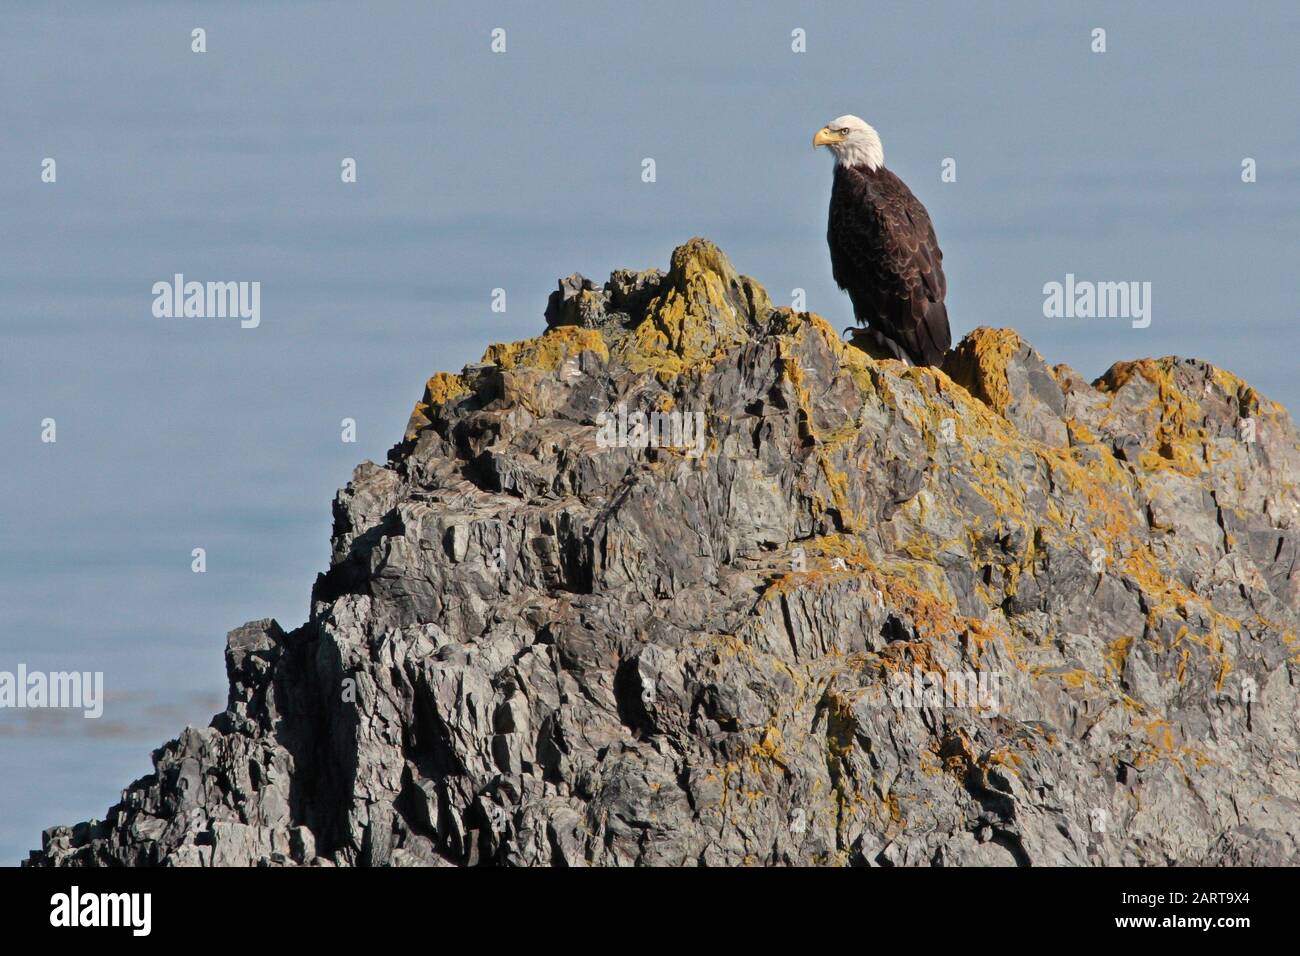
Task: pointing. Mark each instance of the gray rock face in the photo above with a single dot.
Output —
(867, 614)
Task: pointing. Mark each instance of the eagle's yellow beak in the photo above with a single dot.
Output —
(825, 136)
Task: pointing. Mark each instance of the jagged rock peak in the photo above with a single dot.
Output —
(689, 579)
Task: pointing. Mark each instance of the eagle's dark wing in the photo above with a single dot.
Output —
(884, 253)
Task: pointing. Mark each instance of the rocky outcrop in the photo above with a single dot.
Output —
(686, 579)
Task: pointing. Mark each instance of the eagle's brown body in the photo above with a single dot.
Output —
(885, 255)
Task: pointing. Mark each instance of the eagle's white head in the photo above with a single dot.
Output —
(853, 142)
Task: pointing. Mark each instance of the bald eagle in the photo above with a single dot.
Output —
(883, 249)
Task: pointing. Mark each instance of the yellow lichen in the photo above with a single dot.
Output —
(440, 389)
(979, 364)
(549, 350)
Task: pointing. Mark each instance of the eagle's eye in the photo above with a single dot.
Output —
(844, 131)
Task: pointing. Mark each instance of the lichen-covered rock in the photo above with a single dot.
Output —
(979, 615)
